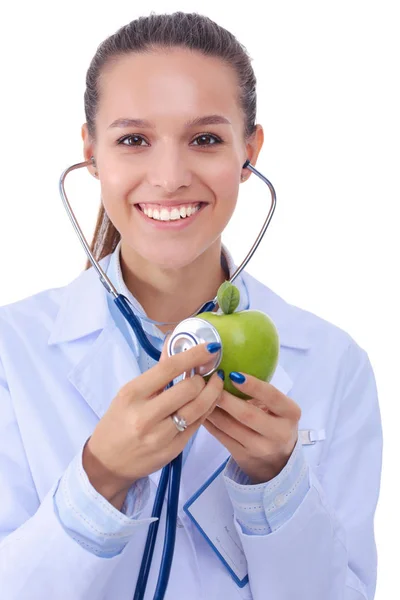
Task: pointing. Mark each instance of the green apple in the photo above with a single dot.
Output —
(250, 340)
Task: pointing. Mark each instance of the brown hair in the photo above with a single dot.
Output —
(188, 30)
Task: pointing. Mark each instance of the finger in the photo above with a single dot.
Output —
(233, 447)
(159, 376)
(181, 438)
(174, 444)
(249, 415)
(171, 400)
(164, 352)
(237, 430)
(265, 395)
(177, 440)
(164, 356)
(197, 409)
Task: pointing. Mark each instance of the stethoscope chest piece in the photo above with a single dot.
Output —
(191, 332)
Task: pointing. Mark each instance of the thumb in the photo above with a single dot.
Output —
(164, 357)
(164, 353)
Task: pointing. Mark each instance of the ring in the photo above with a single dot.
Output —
(180, 422)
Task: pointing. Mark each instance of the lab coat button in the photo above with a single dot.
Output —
(279, 500)
(179, 523)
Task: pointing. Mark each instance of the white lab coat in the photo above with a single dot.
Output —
(62, 361)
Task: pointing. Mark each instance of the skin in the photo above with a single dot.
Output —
(169, 161)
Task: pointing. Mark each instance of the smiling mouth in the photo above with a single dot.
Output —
(165, 214)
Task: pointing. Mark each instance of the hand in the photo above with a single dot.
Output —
(259, 433)
(136, 436)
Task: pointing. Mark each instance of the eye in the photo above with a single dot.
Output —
(130, 137)
(204, 138)
(208, 136)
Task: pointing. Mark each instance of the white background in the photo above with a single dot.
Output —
(328, 99)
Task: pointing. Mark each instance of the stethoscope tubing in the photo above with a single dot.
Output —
(171, 473)
(170, 528)
(152, 533)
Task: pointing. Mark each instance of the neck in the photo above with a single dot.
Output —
(173, 294)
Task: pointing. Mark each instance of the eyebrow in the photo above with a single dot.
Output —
(143, 123)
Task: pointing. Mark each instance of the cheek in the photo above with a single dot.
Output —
(226, 186)
(114, 206)
(115, 194)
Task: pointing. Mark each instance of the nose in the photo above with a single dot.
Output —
(169, 171)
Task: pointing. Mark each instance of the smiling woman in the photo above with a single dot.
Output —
(88, 421)
(173, 140)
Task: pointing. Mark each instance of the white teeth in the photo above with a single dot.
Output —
(165, 214)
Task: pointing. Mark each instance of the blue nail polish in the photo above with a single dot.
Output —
(237, 377)
(213, 347)
(221, 374)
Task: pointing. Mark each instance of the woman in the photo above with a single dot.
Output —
(85, 419)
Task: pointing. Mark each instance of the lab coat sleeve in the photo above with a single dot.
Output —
(38, 559)
(327, 548)
(90, 519)
(263, 508)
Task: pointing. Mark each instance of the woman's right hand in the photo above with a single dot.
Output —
(136, 436)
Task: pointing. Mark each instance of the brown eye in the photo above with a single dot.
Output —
(136, 138)
(205, 137)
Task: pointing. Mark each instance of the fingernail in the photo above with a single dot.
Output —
(237, 377)
(213, 347)
(221, 374)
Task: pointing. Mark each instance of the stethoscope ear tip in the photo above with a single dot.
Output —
(246, 164)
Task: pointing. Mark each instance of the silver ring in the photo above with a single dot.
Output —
(180, 422)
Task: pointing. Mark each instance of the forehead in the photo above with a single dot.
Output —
(174, 83)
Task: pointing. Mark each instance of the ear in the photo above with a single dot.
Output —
(88, 149)
(253, 147)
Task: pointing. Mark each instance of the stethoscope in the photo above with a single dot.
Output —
(171, 473)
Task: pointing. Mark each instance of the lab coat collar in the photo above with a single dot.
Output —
(83, 307)
(84, 312)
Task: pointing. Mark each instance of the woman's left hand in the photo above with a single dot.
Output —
(259, 433)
